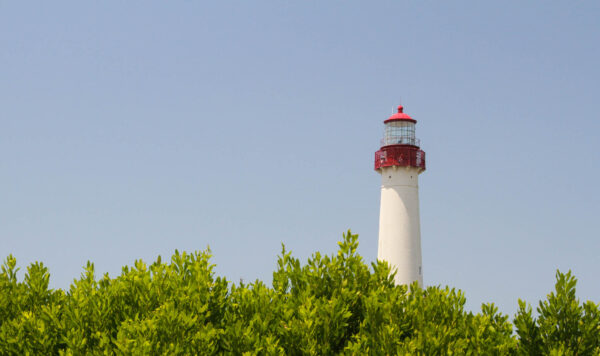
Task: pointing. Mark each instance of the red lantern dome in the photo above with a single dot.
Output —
(400, 116)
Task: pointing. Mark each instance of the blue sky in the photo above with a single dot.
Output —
(131, 129)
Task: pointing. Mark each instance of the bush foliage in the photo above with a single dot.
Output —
(329, 305)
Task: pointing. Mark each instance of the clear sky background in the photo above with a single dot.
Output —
(131, 129)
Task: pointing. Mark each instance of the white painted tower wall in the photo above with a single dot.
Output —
(399, 223)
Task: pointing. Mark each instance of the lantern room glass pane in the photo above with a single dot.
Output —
(400, 133)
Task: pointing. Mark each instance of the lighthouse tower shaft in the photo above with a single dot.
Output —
(400, 161)
(399, 223)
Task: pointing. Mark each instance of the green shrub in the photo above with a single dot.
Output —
(564, 326)
(329, 305)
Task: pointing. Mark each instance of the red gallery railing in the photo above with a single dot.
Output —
(400, 155)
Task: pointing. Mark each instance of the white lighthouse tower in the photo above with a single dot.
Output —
(400, 161)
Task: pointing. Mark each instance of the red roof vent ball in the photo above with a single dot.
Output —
(400, 116)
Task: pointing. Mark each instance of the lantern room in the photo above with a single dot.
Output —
(400, 130)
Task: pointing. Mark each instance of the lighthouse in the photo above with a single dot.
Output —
(400, 160)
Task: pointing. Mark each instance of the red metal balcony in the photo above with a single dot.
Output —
(400, 155)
